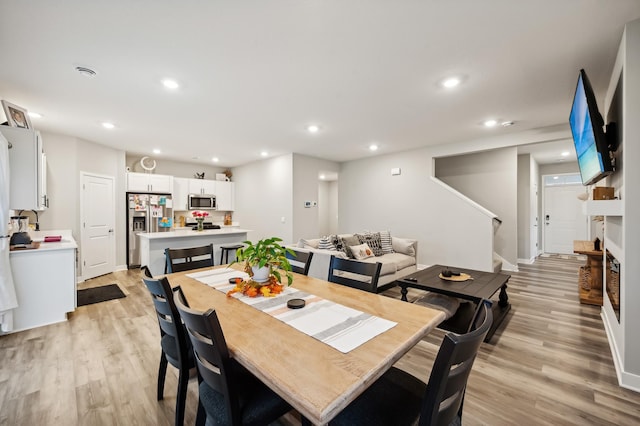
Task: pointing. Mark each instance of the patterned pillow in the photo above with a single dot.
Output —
(372, 239)
(385, 240)
(361, 252)
(326, 243)
(343, 243)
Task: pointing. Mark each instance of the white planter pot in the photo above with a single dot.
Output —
(260, 275)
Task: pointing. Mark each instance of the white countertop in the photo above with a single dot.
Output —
(189, 233)
(66, 243)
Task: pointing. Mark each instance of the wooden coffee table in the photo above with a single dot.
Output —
(483, 286)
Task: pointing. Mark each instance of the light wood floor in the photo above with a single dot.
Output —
(549, 364)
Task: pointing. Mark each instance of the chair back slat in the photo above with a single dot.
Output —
(211, 352)
(445, 391)
(300, 261)
(178, 260)
(352, 273)
(168, 317)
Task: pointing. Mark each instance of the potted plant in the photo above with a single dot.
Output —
(265, 259)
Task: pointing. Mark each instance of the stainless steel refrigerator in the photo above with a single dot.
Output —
(146, 213)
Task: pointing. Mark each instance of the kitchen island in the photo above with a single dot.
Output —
(152, 244)
(45, 280)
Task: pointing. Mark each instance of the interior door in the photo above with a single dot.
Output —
(98, 250)
(563, 219)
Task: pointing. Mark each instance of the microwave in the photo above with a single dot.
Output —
(202, 202)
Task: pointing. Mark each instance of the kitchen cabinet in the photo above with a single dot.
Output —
(225, 198)
(28, 169)
(147, 182)
(45, 281)
(202, 186)
(180, 193)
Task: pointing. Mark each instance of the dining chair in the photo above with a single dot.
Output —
(145, 270)
(184, 259)
(352, 273)
(228, 393)
(300, 261)
(176, 347)
(399, 398)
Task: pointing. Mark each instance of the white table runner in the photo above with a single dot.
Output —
(336, 325)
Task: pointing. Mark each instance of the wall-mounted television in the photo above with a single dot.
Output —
(589, 139)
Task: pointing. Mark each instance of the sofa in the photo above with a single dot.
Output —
(397, 255)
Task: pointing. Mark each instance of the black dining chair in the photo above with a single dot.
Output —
(184, 259)
(300, 261)
(352, 273)
(228, 393)
(398, 398)
(176, 347)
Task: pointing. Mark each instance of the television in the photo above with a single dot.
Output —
(589, 138)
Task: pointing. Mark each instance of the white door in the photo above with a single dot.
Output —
(98, 250)
(562, 218)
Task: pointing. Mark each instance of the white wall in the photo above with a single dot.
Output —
(306, 187)
(67, 156)
(524, 207)
(265, 198)
(490, 179)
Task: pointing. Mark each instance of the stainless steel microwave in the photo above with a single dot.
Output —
(202, 202)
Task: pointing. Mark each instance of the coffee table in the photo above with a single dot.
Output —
(483, 286)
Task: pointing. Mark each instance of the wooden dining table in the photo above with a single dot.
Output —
(316, 379)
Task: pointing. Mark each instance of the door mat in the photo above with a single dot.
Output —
(89, 296)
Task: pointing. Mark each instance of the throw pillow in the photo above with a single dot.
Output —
(373, 241)
(361, 251)
(326, 243)
(385, 241)
(346, 241)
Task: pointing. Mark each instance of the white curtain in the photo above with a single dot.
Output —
(8, 300)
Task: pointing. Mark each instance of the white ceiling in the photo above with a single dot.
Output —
(253, 74)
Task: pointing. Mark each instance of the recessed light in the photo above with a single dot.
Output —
(157, 151)
(565, 153)
(87, 72)
(170, 84)
(215, 159)
(34, 115)
(108, 125)
(373, 147)
(451, 82)
(507, 123)
(322, 177)
(313, 128)
(264, 153)
(490, 123)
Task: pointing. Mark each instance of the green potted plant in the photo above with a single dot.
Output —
(264, 259)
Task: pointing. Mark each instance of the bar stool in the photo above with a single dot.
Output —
(224, 252)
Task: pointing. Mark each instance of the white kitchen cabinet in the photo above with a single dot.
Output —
(225, 198)
(147, 182)
(180, 193)
(202, 186)
(28, 168)
(45, 281)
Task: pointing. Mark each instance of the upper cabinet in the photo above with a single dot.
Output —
(28, 169)
(223, 191)
(146, 182)
(202, 186)
(225, 195)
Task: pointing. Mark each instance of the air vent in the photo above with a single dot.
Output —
(87, 72)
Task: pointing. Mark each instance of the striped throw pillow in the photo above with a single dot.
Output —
(385, 241)
(326, 243)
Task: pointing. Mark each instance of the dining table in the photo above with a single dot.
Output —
(316, 379)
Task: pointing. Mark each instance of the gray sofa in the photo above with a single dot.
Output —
(396, 264)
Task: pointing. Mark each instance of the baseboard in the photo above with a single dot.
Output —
(625, 380)
(527, 261)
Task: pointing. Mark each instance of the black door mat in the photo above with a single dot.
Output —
(99, 294)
